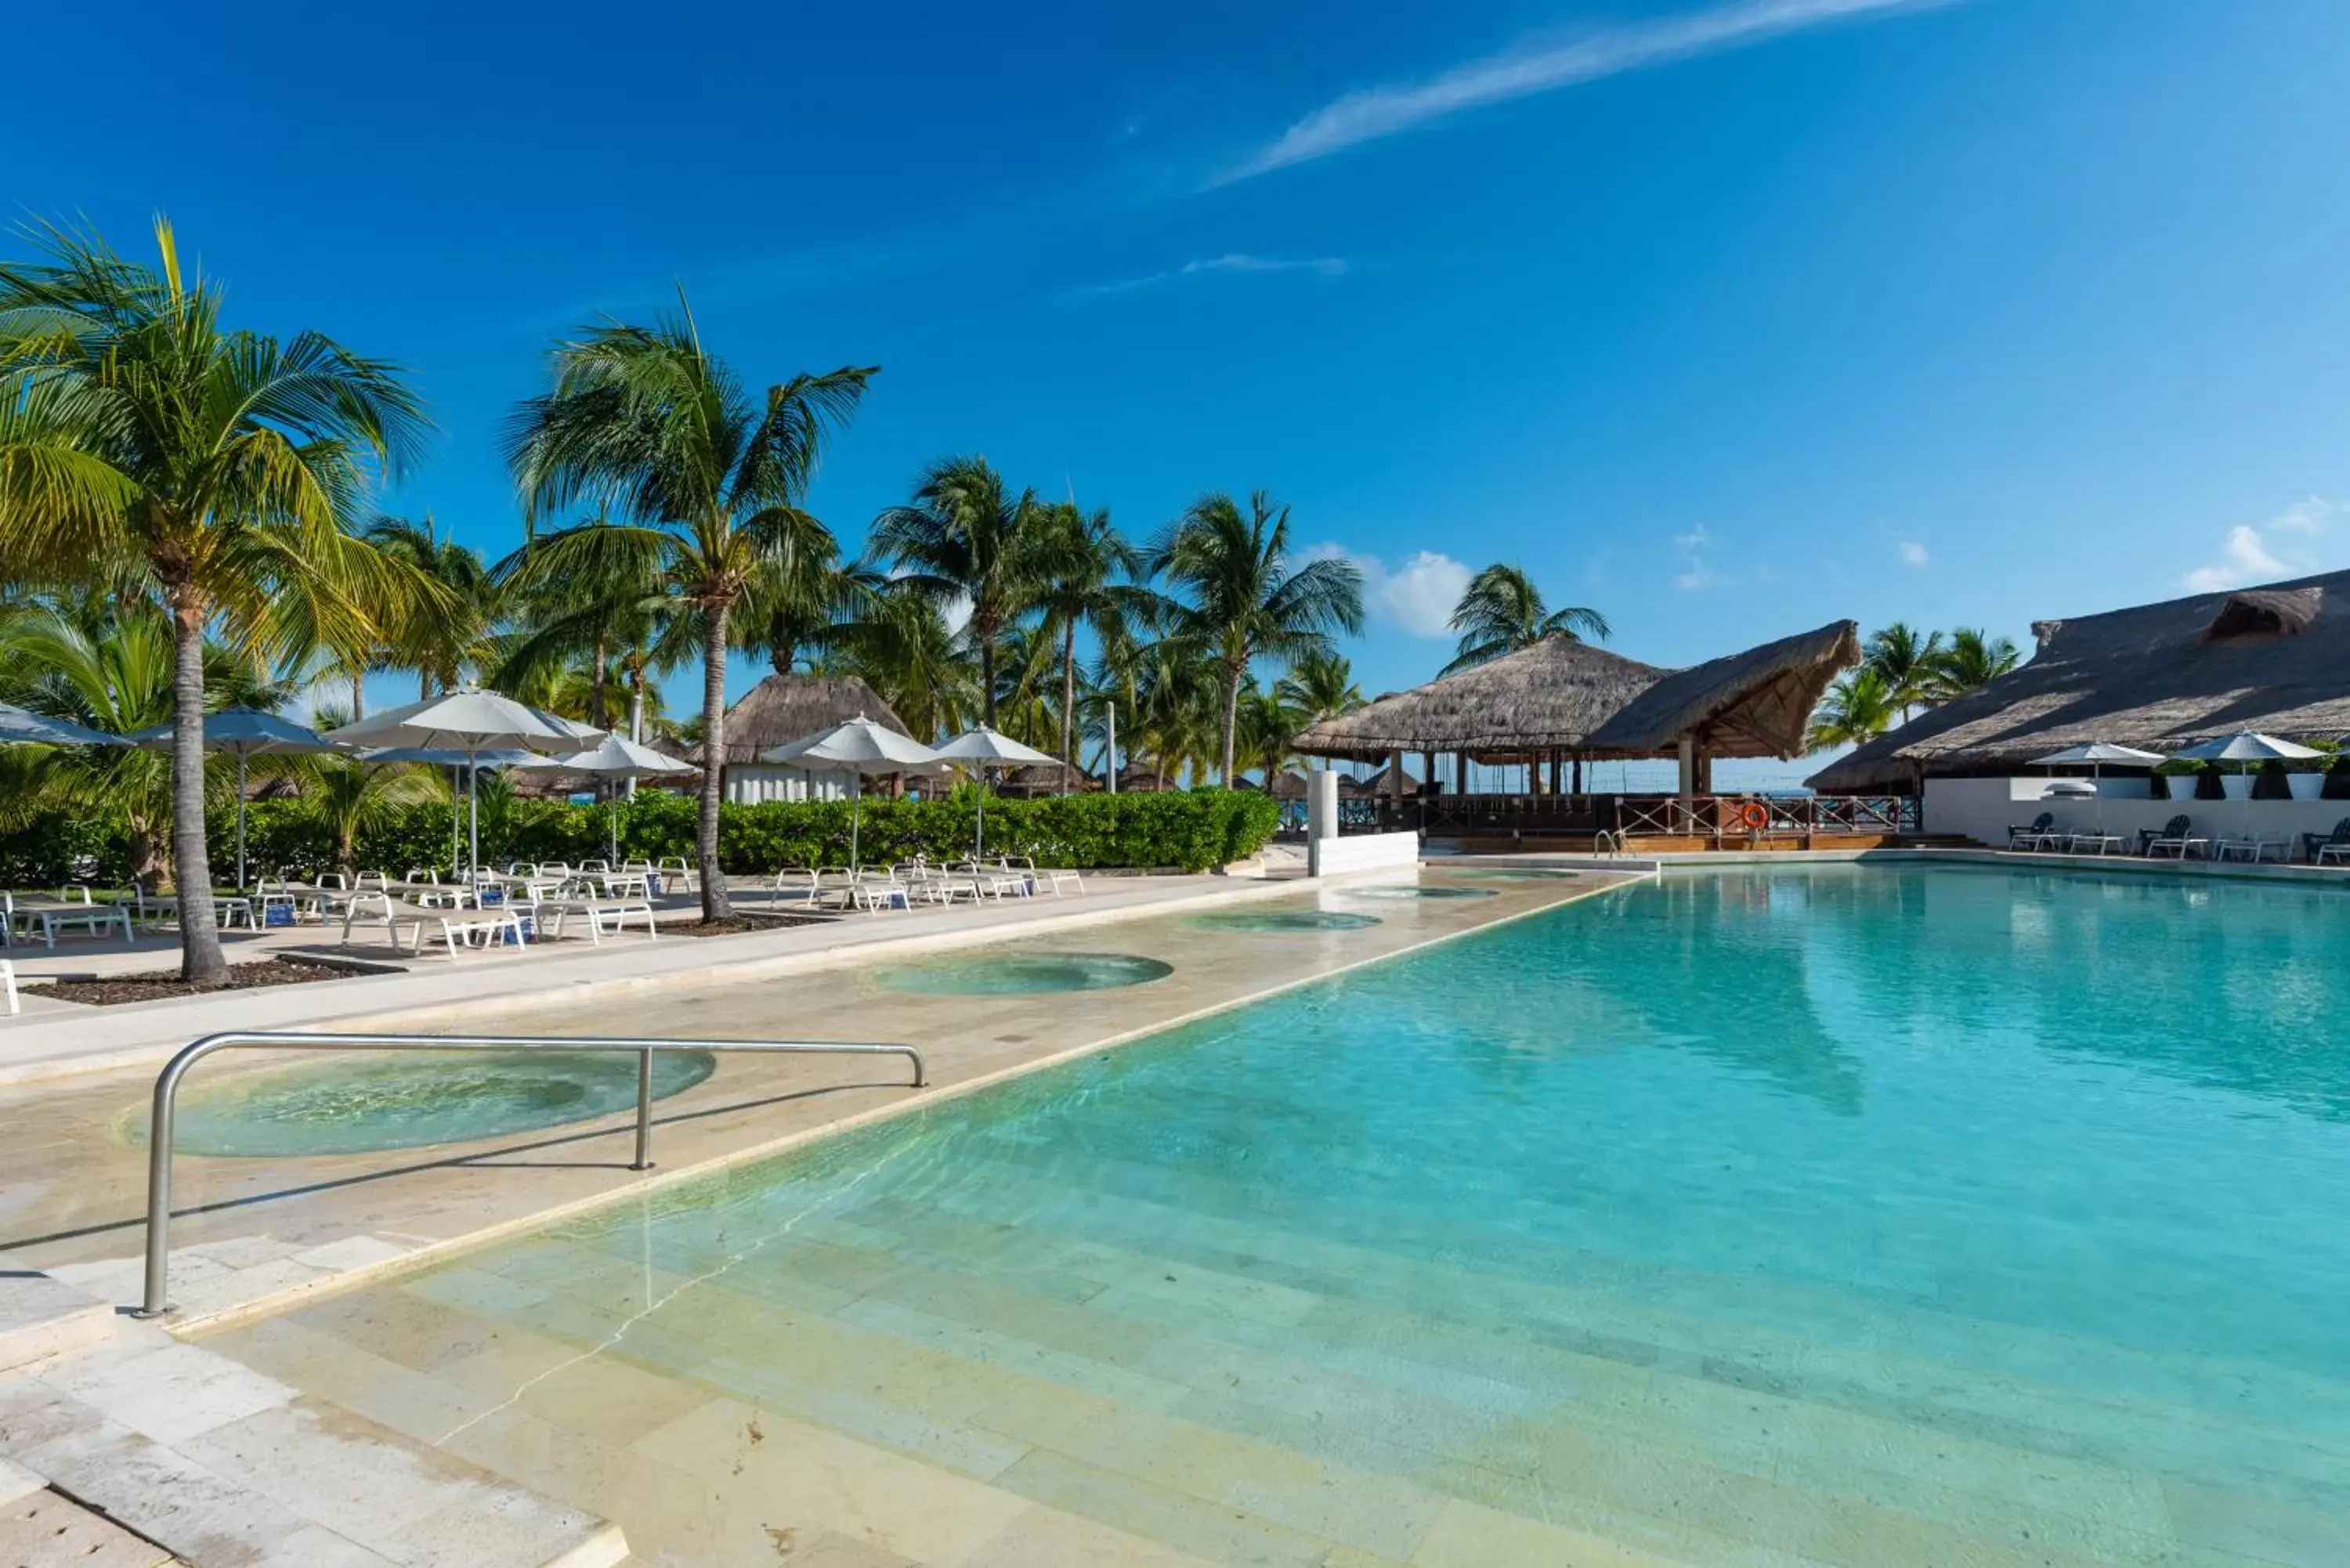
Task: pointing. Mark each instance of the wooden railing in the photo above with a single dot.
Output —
(1764, 817)
(1727, 818)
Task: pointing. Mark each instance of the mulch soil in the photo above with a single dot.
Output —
(113, 990)
(738, 923)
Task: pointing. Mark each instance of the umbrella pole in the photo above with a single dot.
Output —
(473, 816)
(856, 810)
(979, 836)
(240, 821)
(453, 822)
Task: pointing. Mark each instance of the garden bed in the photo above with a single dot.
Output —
(159, 985)
(743, 920)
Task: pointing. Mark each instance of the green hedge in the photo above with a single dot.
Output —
(1192, 830)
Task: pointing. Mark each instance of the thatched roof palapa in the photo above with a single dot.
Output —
(1757, 704)
(783, 708)
(2159, 676)
(1552, 695)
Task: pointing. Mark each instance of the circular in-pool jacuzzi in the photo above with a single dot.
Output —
(1017, 974)
(1417, 890)
(412, 1099)
(1278, 920)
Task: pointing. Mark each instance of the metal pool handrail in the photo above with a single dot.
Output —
(167, 1095)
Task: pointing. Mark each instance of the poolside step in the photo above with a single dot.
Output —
(222, 1465)
(40, 1316)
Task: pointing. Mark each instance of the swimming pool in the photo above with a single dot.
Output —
(1837, 1216)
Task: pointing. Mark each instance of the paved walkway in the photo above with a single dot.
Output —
(52, 1039)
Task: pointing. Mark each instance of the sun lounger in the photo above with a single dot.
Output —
(596, 913)
(8, 986)
(454, 927)
(49, 916)
(2176, 836)
(1049, 879)
(2316, 848)
(2035, 834)
(2253, 848)
(2093, 843)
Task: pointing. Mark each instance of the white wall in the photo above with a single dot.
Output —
(1362, 852)
(1984, 809)
(752, 784)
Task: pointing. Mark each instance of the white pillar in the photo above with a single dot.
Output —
(1689, 781)
(1321, 816)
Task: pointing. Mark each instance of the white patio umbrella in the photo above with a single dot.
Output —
(471, 721)
(20, 726)
(243, 733)
(457, 763)
(864, 748)
(2247, 746)
(2097, 753)
(981, 747)
(613, 757)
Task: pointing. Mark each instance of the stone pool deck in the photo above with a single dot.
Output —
(54, 1039)
(253, 1237)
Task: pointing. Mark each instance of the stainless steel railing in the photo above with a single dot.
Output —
(156, 1302)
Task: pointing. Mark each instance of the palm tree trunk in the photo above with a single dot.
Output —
(636, 713)
(201, 962)
(596, 693)
(1236, 674)
(987, 675)
(1068, 701)
(715, 905)
(358, 694)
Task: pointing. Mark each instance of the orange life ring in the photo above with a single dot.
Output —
(1753, 817)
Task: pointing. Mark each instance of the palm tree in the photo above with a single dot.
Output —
(1268, 724)
(1320, 686)
(349, 797)
(1502, 611)
(1973, 659)
(1904, 658)
(144, 444)
(644, 424)
(796, 609)
(1241, 596)
(1860, 706)
(902, 647)
(1178, 702)
(596, 601)
(966, 536)
(443, 640)
(1078, 567)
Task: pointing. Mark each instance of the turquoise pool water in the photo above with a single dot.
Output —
(410, 1100)
(1874, 1217)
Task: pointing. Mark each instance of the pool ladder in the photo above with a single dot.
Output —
(156, 1300)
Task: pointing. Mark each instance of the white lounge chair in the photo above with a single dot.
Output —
(1049, 879)
(596, 913)
(72, 907)
(454, 927)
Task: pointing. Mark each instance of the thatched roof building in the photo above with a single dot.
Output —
(1757, 704)
(1549, 697)
(781, 708)
(2159, 676)
(1565, 696)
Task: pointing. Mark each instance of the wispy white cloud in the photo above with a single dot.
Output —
(1417, 597)
(1913, 553)
(2253, 553)
(1694, 551)
(1230, 262)
(1545, 66)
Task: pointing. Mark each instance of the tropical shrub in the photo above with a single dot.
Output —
(1190, 830)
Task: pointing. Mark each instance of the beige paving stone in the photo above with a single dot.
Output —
(164, 1495)
(353, 1253)
(420, 1508)
(168, 1393)
(43, 1530)
(17, 1481)
(41, 1317)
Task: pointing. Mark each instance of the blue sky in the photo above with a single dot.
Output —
(1727, 319)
